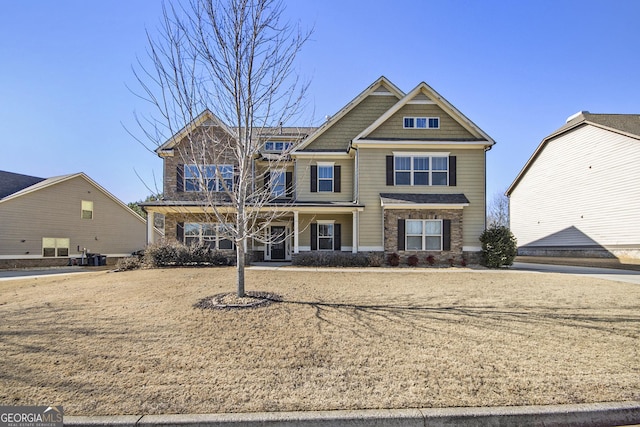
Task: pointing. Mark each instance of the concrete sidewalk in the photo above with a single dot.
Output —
(586, 415)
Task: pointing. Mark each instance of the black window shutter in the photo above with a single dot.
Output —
(267, 177)
(180, 232)
(180, 178)
(401, 234)
(336, 179)
(446, 234)
(314, 236)
(389, 170)
(452, 171)
(314, 178)
(289, 183)
(337, 237)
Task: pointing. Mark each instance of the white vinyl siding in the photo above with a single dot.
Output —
(581, 189)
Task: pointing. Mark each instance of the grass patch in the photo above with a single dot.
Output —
(133, 343)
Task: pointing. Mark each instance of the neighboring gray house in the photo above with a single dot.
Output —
(579, 193)
(47, 222)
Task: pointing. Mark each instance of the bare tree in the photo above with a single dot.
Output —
(498, 210)
(234, 58)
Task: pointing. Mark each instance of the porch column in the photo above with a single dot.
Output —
(151, 235)
(295, 232)
(354, 245)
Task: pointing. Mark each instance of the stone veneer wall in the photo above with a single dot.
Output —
(391, 217)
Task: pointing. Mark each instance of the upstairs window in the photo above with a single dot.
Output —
(86, 209)
(421, 122)
(278, 184)
(325, 177)
(208, 178)
(421, 170)
(278, 146)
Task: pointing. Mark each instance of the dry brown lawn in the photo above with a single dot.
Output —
(132, 343)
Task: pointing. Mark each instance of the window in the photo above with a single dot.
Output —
(325, 236)
(87, 210)
(278, 146)
(278, 184)
(325, 177)
(421, 122)
(209, 177)
(421, 170)
(55, 247)
(210, 234)
(423, 235)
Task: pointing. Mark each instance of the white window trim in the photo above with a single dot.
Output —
(328, 165)
(82, 208)
(333, 233)
(424, 235)
(430, 156)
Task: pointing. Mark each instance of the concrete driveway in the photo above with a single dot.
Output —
(629, 276)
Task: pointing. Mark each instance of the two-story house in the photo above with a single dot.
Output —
(390, 172)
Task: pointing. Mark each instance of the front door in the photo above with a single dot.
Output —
(277, 244)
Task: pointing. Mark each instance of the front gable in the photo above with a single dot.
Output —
(338, 131)
(439, 119)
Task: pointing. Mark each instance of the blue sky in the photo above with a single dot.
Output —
(517, 69)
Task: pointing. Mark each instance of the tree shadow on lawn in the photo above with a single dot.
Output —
(623, 321)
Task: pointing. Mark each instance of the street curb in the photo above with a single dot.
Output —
(584, 415)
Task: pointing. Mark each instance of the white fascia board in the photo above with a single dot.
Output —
(411, 144)
(320, 154)
(421, 153)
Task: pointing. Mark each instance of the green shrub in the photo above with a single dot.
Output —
(499, 247)
(331, 259)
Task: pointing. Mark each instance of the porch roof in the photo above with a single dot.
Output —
(423, 201)
(281, 205)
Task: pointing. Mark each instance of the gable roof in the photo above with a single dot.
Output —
(11, 183)
(381, 86)
(190, 127)
(421, 91)
(48, 182)
(624, 124)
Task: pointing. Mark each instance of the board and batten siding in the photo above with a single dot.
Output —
(339, 134)
(581, 189)
(55, 211)
(372, 182)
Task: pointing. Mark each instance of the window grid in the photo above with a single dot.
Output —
(278, 184)
(210, 234)
(421, 170)
(423, 235)
(421, 122)
(325, 237)
(201, 177)
(325, 178)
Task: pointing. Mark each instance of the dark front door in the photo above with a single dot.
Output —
(277, 242)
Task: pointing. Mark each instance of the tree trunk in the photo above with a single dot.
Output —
(240, 268)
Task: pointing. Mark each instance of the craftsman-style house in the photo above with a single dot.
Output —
(390, 172)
